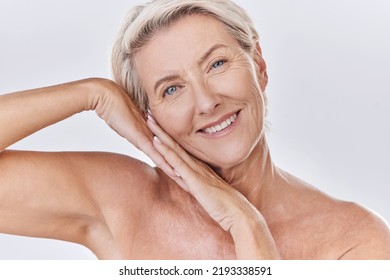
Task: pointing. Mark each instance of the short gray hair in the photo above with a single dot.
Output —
(143, 21)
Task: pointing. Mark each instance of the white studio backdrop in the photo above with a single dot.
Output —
(329, 98)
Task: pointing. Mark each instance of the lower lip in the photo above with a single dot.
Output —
(225, 131)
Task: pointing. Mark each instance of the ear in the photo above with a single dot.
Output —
(261, 67)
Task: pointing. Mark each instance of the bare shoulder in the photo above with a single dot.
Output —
(124, 189)
(319, 226)
(117, 176)
(88, 193)
(354, 232)
(367, 234)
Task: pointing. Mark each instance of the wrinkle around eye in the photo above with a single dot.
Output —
(173, 95)
(166, 103)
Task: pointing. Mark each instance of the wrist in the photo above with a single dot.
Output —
(93, 91)
(253, 239)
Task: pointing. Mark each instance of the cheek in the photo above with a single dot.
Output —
(173, 118)
(236, 83)
(242, 85)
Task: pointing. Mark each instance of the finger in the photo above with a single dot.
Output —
(145, 144)
(167, 139)
(159, 132)
(193, 163)
(186, 177)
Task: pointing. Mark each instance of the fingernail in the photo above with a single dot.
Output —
(151, 118)
(155, 138)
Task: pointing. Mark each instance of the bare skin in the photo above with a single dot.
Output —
(93, 211)
(121, 208)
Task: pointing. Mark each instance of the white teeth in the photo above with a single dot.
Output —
(222, 125)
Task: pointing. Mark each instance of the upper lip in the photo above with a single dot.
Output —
(219, 121)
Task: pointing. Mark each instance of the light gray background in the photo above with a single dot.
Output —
(328, 64)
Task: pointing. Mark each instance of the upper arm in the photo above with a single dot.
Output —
(372, 240)
(62, 195)
(43, 195)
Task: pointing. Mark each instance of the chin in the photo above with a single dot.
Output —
(230, 159)
(226, 154)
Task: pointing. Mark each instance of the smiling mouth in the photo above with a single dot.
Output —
(223, 125)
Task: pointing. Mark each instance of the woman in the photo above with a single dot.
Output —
(194, 69)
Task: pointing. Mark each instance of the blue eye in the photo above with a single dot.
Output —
(219, 63)
(170, 90)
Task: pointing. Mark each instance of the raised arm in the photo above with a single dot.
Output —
(54, 194)
(31, 110)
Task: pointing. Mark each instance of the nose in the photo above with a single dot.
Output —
(206, 99)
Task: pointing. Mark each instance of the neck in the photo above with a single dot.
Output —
(254, 177)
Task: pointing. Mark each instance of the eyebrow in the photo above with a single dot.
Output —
(163, 80)
(210, 51)
(201, 60)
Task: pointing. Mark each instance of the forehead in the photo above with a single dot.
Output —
(183, 41)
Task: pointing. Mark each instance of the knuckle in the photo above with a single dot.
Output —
(177, 147)
(178, 162)
(173, 158)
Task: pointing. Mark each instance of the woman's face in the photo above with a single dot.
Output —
(204, 90)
